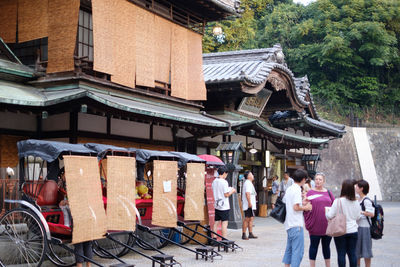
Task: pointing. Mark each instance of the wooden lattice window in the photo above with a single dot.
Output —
(85, 35)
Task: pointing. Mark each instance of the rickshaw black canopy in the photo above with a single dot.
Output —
(184, 158)
(144, 155)
(102, 149)
(49, 150)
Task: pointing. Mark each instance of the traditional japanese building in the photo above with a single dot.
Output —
(122, 72)
(130, 73)
(267, 108)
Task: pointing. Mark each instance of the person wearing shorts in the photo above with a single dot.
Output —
(249, 205)
(222, 192)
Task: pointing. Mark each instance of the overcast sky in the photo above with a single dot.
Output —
(304, 2)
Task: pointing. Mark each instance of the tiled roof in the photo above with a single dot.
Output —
(252, 66)
(31, 96)
(282, 119)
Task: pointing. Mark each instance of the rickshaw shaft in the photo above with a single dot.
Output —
(137, 251)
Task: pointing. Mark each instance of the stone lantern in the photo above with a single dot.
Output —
(229, 152)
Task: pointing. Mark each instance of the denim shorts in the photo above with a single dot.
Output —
(294, 246)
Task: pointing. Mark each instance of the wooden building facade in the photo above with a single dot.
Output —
(131, 73)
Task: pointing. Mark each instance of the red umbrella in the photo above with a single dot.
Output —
(212, 160)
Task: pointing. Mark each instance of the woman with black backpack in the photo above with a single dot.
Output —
(364, 242)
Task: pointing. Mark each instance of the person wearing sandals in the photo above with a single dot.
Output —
(316, 222)
(364, 241)
(249, 205)
(347, 203)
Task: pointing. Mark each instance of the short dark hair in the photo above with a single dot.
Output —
(348, 189)
(222, 170)
(299, 175)
(286, 173)
(364, 185)
(246, 174)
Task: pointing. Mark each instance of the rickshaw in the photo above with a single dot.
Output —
(117, 243)
(36, 229)
(167, 235)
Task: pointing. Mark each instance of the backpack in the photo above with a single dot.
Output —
(376, 222)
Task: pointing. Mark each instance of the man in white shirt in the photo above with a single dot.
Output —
(294, 221)
(222, 192)
(248, 205)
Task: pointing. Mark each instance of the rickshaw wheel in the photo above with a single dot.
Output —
(22, 237)
(60, 256)
(112, 247)
(153, 240)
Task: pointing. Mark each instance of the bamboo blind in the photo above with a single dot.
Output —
(194, 195)
(179, 62)
(8, 20)
(85, 198)
(63, 24)
(144, 32)
(163, 30)
(103, 35)
(32, 19)
(124, 44)
(164, 203)
(196, 85)
(121, 176)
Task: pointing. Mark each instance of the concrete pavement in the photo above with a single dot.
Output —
(269, 248)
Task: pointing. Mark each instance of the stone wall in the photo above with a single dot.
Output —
(385, 148)
(340, 161)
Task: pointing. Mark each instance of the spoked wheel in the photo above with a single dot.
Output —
(60, 256)
(153, 240)
(114, 248)
(22, 238)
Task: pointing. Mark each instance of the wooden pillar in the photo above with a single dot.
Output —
(73, 127)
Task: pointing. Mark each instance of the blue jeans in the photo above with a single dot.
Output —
(314, 243)
(346, 244)
(294, 247)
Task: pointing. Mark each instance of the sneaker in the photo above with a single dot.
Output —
(252, 236)
(244, 237)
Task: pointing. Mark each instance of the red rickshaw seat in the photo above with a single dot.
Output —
(44, 192)
(60, 229)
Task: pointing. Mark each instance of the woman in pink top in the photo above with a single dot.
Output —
(316, 222)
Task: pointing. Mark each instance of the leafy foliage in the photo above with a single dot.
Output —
(350, 50)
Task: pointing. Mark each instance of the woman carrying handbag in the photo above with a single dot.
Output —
(315, 220)
(349, 206)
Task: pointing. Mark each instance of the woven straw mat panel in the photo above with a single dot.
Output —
(163, 29)
(85, 198)
(121, 177)
(103, 35)
(196, 85)
(8, 20)
(145, 56)
(124, 44)
(32, 19)
(179, 62)
(194, 195)
(164, 203)
(63, 24)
